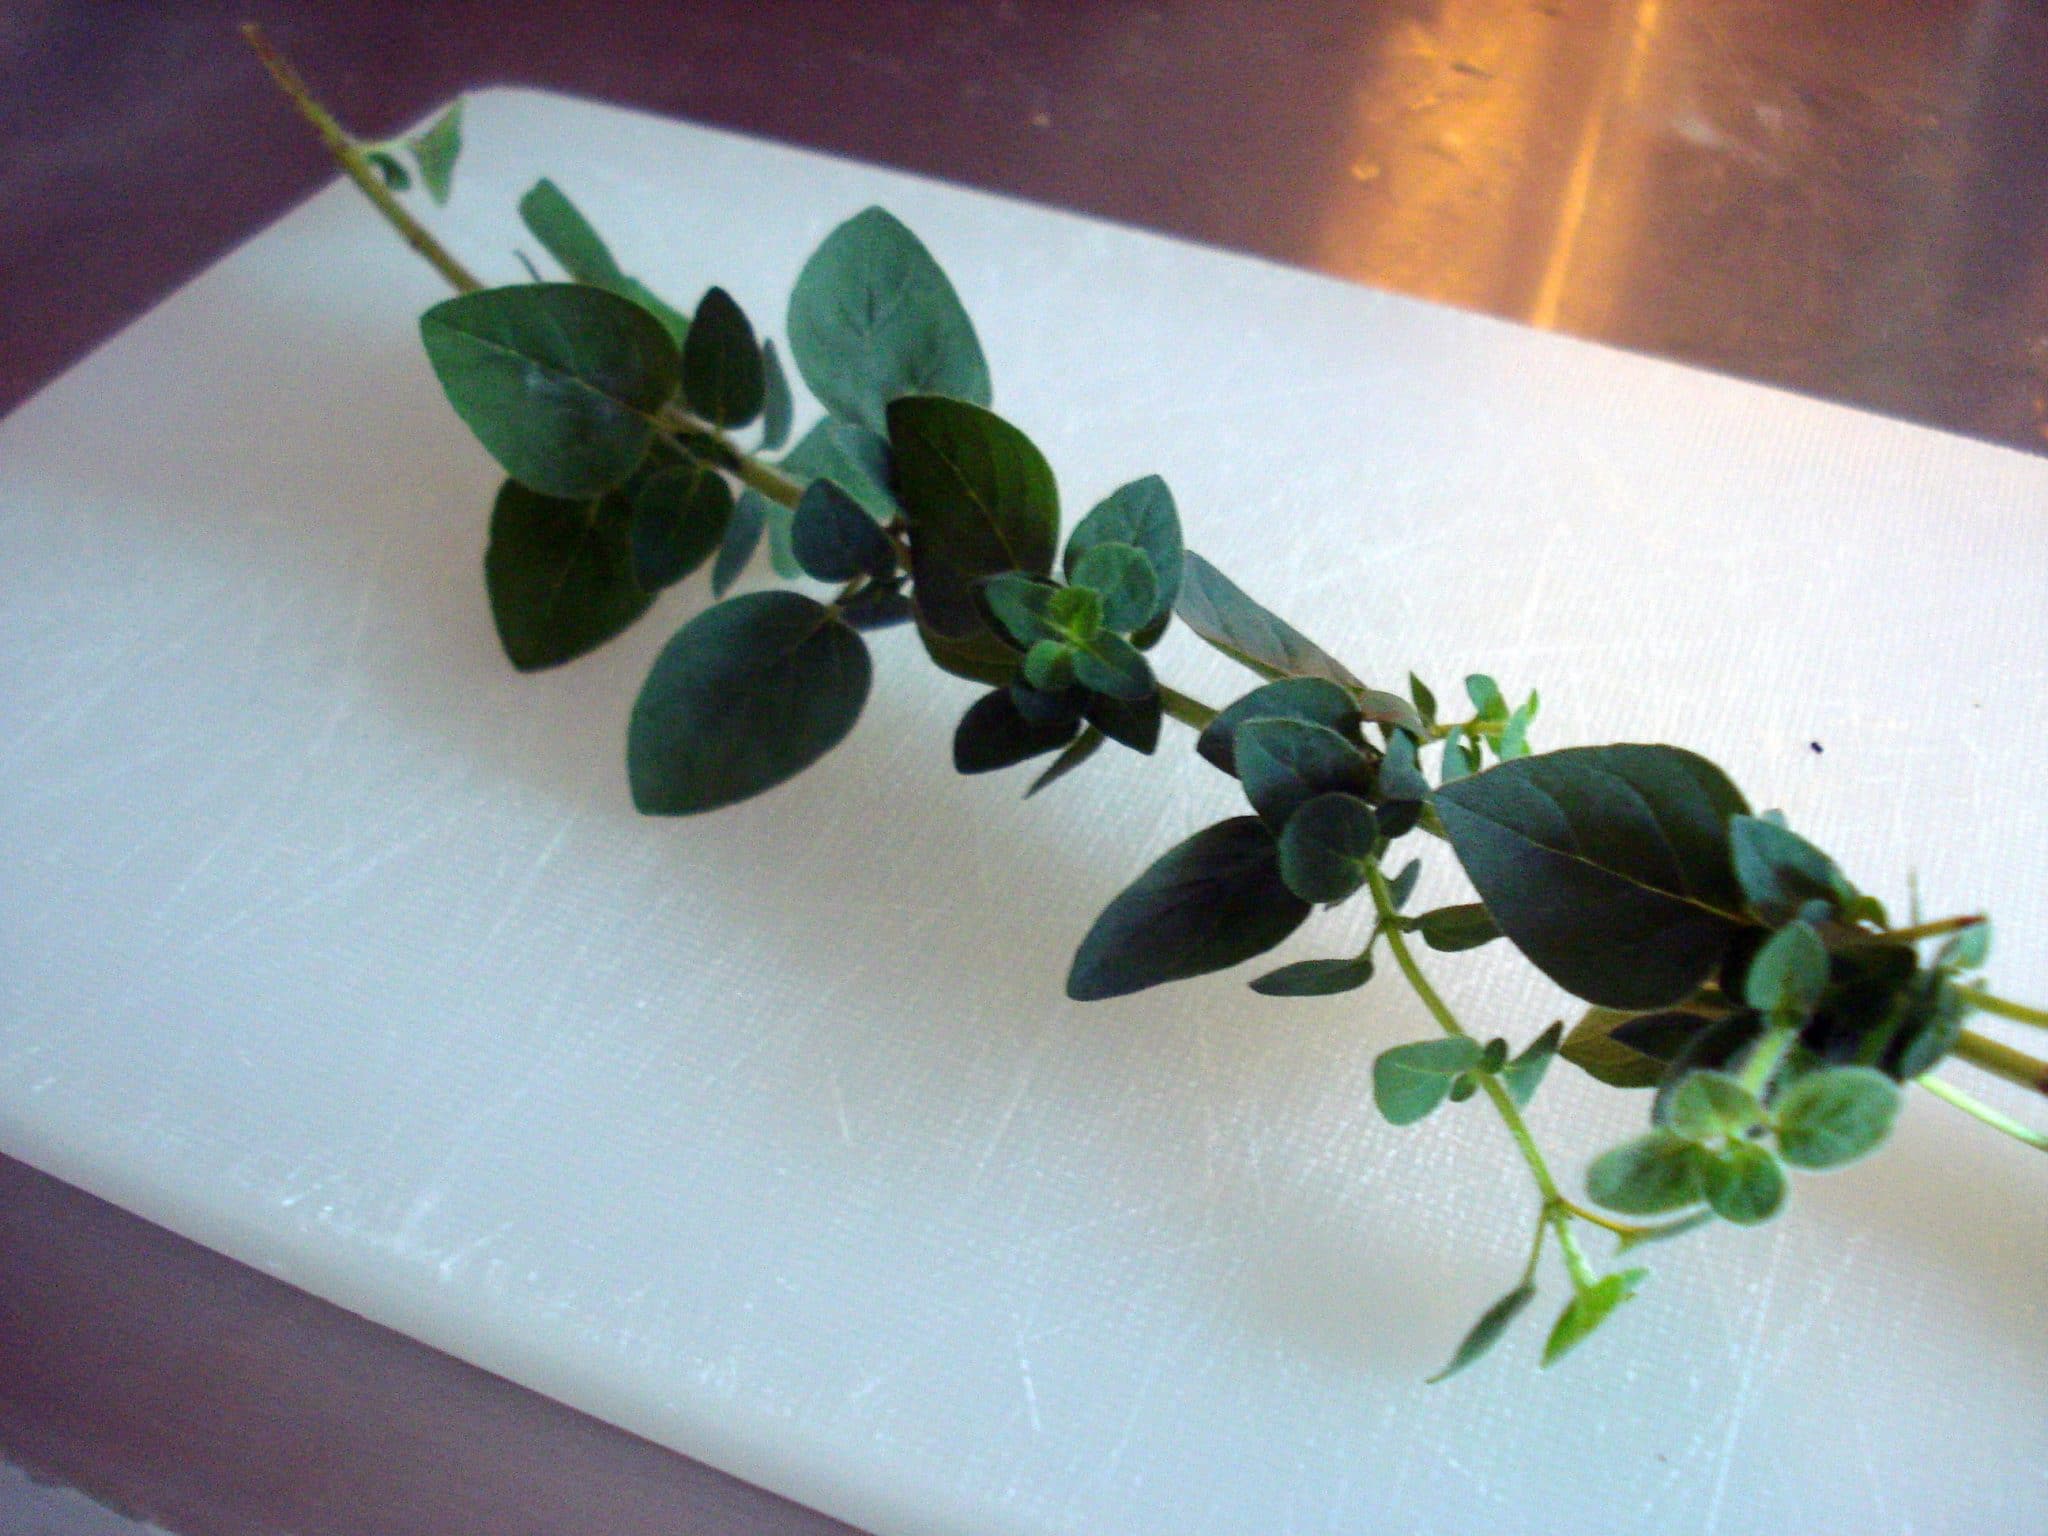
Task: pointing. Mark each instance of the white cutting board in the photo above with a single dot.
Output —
(328, 941)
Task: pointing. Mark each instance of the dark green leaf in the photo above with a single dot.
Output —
(1425, 701)
(1400, 777)
(1076, 613)
(1744, 1183)
(1315, 978)
(1083, 747)
(1217, 609)
(778, 410)
(1832, 1117)
(1043, 708)
(1133, 722)
(873, 319)
(389, 168)
(882, 607)
(834, 539)
(724, 379)
(1314, 699)
(1788, 975)
(742, 538)
(437, 149)
(994, 734)
(1141, 514)
(1283, 764)
(1588, 1310)
(1049, 665)
(1592, 1048)
(855, 458)
(1213, 901)
(1524, 1075)
(1486, 1333)
(1022, 608)
(560, 575)
(1402, 886)
(749, 693)
(1709, 1045)
(559, 382)
(1453, 929)
(1779, 871)
(1327, 847)
(1487, 703)
(1121, 575)
(1411, 1080)
(979, 498)
(680, 515)
(1111, 665)
(1652, 1174)
(1606, 866)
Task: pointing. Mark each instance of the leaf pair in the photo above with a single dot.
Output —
(1409, 1082)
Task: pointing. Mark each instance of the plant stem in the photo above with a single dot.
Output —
(1557, 1209)
(1192, 713)
(2001, 1060)
(1766, 1057)
(349, 156)
(1989, 1002)
(1933, 930)
(1997, 1120)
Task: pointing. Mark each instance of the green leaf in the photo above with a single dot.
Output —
(1524, 1075)
(1606, 866)
(778, 409)
(567, 236)
(437, 149)
(560, 575)
(781, 557)
(1514, 736)
(1425, 701)
(742, 538)
(1283, 764)
(1327, 846)
(1460, 760)
(1779, 871)
(1486, 1333)
(1218, 610)
(1400, 777)
(1022, 608)
(1588, 1310)
(749, 693)
(1049, 665)
(1132, 722)
(1409, 1081)
(853, 457)
(1122, 575)
(1834, 1116)
(1709, 1105)
(1141, 514)
(1315, 978)
(1788, 975)
(559, 382)
(979, 498)
(995, 734)
(1458, 928)
(1487, 703)
(1652, 1174)
(1075, 612)
(1592, 1048)
(724, 379)
(834, 539)
(1744, 1183)
(878, 607)
(1213, 901)
(1083, 747)
(389, 168)
(1111, 665)
(1314, 699)
(1402, 886)
(873, 319)
(680, 515)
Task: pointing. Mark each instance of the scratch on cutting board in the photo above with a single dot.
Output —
(525, 888)
(1738, 1409)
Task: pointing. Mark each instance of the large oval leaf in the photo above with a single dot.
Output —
(559, 381)
(873, 318)
(1218, 609)
(746, 695)
(980, 500)
(560, 575)
(1212, 902)
(1608, 867)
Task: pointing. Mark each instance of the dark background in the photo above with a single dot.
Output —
(1847, 197)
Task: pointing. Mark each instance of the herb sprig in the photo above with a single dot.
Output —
(1731, 968)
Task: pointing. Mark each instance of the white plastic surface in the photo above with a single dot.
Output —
(327, 940)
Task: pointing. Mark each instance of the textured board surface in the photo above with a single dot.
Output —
(326, 940)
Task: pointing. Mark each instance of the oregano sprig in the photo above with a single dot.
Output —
(1730, 967)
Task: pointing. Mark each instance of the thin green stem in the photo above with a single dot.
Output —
(1997, 1120)
(1190, 712)
(1766, 1056)
(1990, 1002)
(1939, 928)
(356, 166)
(1557, 1209)
(2001, 1060)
